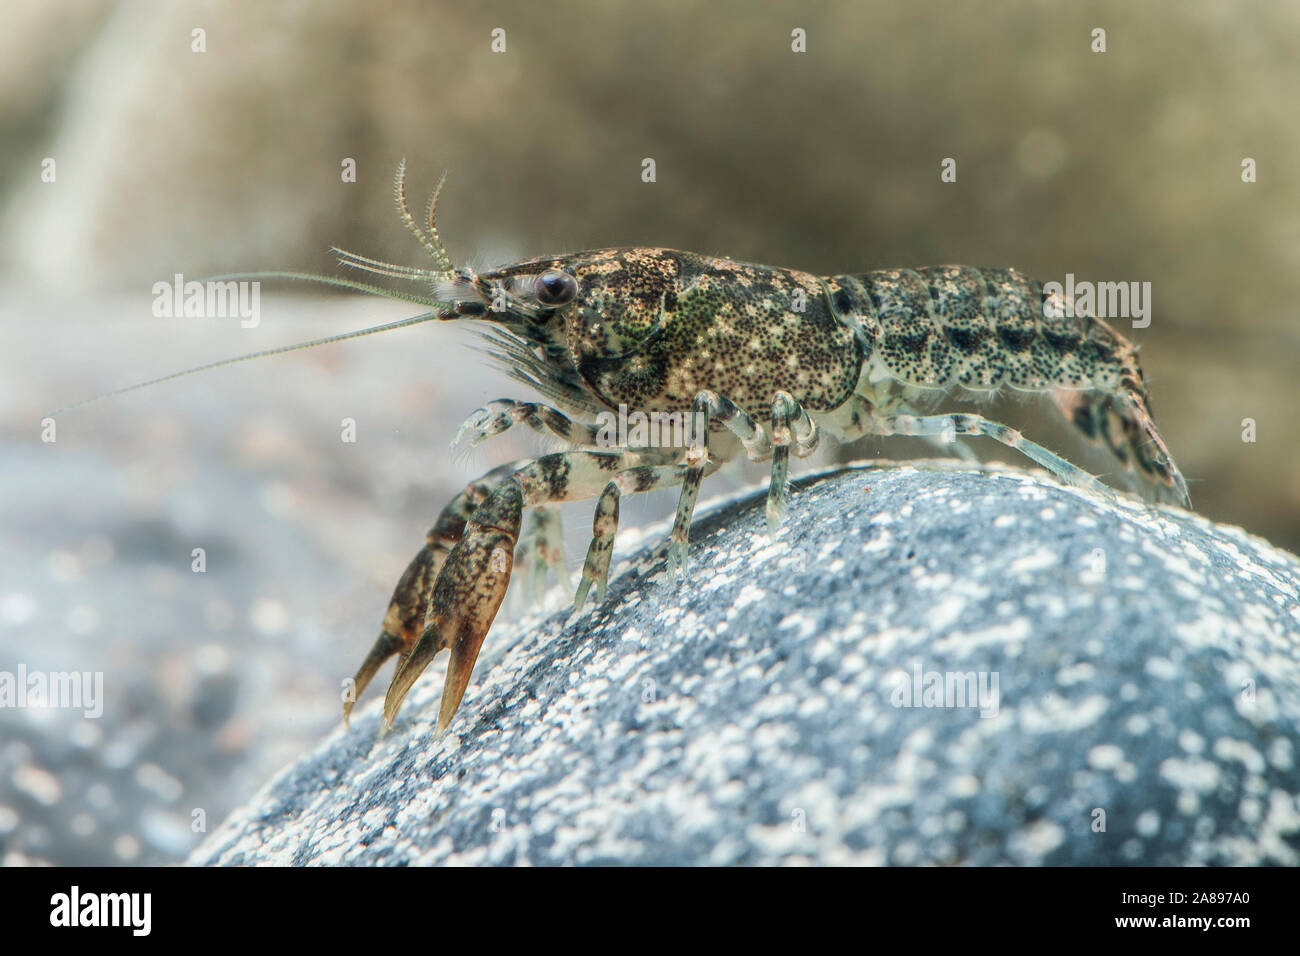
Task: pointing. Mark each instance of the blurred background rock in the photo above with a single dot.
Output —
(1123, 165)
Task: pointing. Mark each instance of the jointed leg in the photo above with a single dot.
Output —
(496, 417)
(462, 573)
(965, 424)
(605, 523)
(945, 441)
(542, 549)
(603, 528)
(787, 416)
(473, 578)
(708, 408)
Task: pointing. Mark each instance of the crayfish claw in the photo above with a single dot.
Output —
(385, 647)
(466, 597)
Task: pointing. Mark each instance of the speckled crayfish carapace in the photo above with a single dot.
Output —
(770, 358)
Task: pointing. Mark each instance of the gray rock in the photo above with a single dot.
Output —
(1142, 669)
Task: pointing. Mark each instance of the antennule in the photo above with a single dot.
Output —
(432, 246)
(444, 261)
(355, 260)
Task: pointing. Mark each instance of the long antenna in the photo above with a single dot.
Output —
(337, 282)
(432, 244)
(413, 320)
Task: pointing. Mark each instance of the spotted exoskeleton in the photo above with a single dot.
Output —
(770, 359)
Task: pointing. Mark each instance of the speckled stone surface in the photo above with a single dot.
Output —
(1141, 705)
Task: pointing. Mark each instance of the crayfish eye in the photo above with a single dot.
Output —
(555, 288)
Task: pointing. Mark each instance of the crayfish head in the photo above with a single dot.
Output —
(603, 303)
(561, 321)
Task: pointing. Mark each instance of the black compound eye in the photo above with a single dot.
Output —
(556, 288)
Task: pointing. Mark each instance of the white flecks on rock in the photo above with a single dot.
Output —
(1036, 841)
(38, 784)
(1054, 713)
(1162, 667)
(1148, 823)
(1192, 773)
(1227, 749)
(749, 715)
(1105, 757)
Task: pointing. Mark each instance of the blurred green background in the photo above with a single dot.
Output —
(1122, 165)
